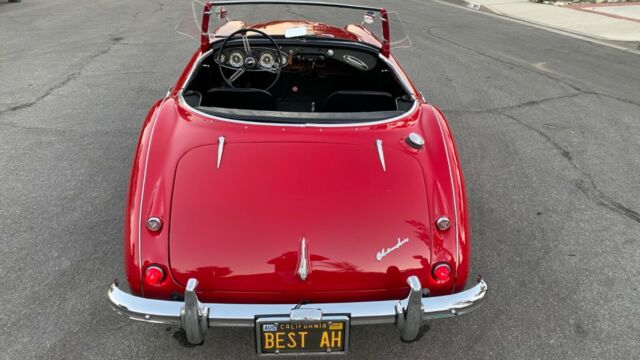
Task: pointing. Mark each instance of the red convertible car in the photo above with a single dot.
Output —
(294, 180)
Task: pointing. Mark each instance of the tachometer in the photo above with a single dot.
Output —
(267, 60)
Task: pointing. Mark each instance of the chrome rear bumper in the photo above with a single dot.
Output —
(195, 317)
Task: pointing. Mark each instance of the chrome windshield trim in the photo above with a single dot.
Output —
(294, 2)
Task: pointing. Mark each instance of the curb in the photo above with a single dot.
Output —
(628, 46)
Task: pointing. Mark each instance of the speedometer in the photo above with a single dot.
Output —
(236, 59)
(267, 60)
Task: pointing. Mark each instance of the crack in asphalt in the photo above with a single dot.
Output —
(591, 191)
(520, 105)
(288, 9)
(586, 184)
(67, 131)
(135, 15)
(563, 152)
(113, 40)
(623, 100)
(119, 73)
(564, 82)
(429, 32)
(67, 79)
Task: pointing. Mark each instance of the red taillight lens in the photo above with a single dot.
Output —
(153, 275)
(442, 272)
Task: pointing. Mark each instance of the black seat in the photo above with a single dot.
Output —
(359, 101)
(237, 98)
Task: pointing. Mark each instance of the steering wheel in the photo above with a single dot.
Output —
(242, 61)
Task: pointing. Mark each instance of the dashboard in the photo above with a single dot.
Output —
(267, 58)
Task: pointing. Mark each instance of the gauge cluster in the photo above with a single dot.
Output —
(295, 57)
(266, 58)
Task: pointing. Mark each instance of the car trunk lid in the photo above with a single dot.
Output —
(240, 227)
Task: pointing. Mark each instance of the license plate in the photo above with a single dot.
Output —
(280, 336)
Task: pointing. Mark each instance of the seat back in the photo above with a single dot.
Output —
(236, 98)
(359, 101)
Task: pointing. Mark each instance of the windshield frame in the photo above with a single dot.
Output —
(209, 6)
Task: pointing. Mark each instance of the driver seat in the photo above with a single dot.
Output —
(239, 98)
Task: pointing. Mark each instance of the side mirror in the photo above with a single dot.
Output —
(369, 17)
(222, 13)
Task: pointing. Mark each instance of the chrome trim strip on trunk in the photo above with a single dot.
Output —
(197, 314)
(221, 141)
(303, 265)
(381, 155)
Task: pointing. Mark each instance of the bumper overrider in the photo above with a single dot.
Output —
(195, 318)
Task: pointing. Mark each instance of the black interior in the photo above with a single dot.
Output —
(359, 101)
(307, 85)
(239, 98)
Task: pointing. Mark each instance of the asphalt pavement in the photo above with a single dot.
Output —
(548, 127)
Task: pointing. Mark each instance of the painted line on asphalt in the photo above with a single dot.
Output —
(542, 27)
(590, 9)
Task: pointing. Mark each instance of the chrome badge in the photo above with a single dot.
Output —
(303, 263)
(384, 252)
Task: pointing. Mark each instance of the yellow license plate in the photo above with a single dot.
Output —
(280, 336)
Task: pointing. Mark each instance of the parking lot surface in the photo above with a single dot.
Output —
(548, 128)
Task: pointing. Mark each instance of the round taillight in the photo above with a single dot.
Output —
(153, 275)
(442, 272)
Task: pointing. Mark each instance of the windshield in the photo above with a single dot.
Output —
(297, 19)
